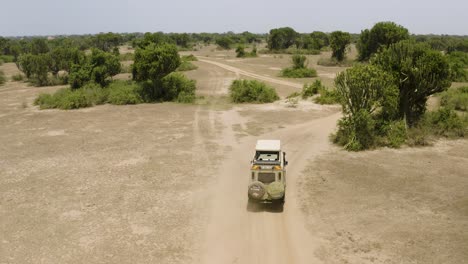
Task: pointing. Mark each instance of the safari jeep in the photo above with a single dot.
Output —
(268, 173)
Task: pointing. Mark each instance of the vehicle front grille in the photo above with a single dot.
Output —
(266, 177)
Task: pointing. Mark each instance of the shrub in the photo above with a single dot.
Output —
(69, 99)
(299, 61)
(298, 73)
(455, 99)
(2, 78)
(7, 58)
(395, 134)
(246, 91)
(126, 57)
(332, 62)
(18, 77)
(240, 51)
(122, 93)
(458, 62)
(293, 95)
(445, 122)
(356, 132)
(190, 57)
(91, 94)
(187, 66)
(327, 96)
(178, 88)
(299, 68)
(312, 89)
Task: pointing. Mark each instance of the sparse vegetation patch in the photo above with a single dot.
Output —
(246, 91)
(299, 68)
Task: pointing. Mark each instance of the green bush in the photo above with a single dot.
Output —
(126, 56)
(18, 77)
(246, 91)
(2, 78)
(122, 93)
(7, 58)
(312, 89)
(394, 134)
(455, 99)
(293, 95)
(299, 68)
(187, 66)
(445, 122)
(89, 95)
(458, 62)
(178, 88)
(190, 57)
(298, 73)
(299, 61)
(356, 132)
(327, 96)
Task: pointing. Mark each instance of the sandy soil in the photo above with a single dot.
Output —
(166, 183)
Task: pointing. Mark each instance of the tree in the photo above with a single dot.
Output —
(107, 41)
(96, 68)
(366, 87)
(418, 71)
(35, 67)
(39, 46)
(155, 61)
(249, 37)
(240, 51)
(281, 38)
(338, 42)
(151, 38)
(182, 40)
(383, 34)
(319, 40)
(225, 42)
(104, 65)
(63, 58)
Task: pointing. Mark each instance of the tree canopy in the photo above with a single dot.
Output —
(419, 71)
(281, 38)
(155, 61)
(383, 34)
(339, 41)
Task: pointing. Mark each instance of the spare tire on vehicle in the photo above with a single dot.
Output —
(276, 190)
(256, 190)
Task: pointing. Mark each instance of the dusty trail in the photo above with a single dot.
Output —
(238, 234)
(250, 74)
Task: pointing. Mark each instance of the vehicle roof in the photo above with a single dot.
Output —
(268, 145)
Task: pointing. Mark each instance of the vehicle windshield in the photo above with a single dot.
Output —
(267, 155)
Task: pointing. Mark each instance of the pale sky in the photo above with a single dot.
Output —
(51, 17)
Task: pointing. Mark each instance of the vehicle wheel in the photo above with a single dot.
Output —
(256, 190)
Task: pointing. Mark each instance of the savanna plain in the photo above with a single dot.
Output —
(167, 182)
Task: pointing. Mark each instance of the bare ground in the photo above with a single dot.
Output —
(165, 183)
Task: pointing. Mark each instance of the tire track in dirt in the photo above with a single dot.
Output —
(250, 74)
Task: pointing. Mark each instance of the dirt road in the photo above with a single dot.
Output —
(250, 74)
(263, 234)
(239, 233)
